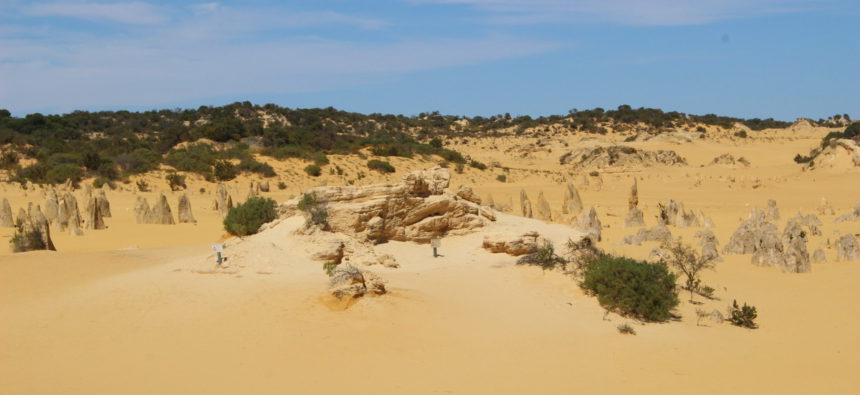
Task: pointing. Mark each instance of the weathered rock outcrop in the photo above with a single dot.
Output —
(588, 223)
(825, 208)
(160, 213)
(620, 156)
(796, 256)
(223, 200)
(40, 224)
(52, 208)
(184, 210)
(513, 244)
(418, 208)
(771, 212)
(572, 203)
(6, 218)
(141, 210)
(69, 214)
(348, 281)
(709, 244)
(543, 211)
(729, 160)
(466, 193)
(92, 215)
(525, 204)
(819, 256)
(635, 217)
(658, 233)
(854, 215)
(104, 204)
(758, 237)
(847, 248)
(674, 214)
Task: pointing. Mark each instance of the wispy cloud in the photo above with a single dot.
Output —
(136, 13)
(631, 12)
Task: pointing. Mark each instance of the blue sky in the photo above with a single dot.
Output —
(748, 58)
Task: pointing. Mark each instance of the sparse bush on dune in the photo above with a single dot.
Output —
(501, 178)
(545, 257)
(316, 212)
(27, 240)
(246, 218)
(380, 166)
(313, 170)
(632, 288)
(743, 316)
(175, 181)
(626, 329)
(223, 170)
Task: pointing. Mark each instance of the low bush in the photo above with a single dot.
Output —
(224, 170)
(501, 178)
(313, 170)
(742, 134)
(282, 185)
(626, 329)
(246, 218)
(632, 288)
(477, 165)
(252, 165)
(176, 181)
(743, 316)
(142, 185)
(100, 182)
(63, 172)
(317, 213)
(544, 257)
(380, 166)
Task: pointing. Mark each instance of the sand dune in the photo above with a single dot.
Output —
(144, 308)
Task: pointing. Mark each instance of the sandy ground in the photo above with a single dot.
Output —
(144, 309)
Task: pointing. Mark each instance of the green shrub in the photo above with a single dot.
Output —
(282, 185)
(626, 329)
(176, 181)
(544, 257)
(742, 134)
(27, 240)
(743, 316)
(62, 172)
(100, 182)
(639, 289)
(246, 218)
(501, 178)
(317, 214)
(142, 185)
(380, 166)
(313, 170)
(477, 165)
(329, 268)
(8, 159)
(224, 171)
(319, 158)
(254, 166)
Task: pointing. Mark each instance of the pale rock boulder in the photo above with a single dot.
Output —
(825, 208)
(771, 212)
(71, 218)
(525, 204)
(796, 255)
(253, 190)
(6, 218)
(418, 208)
(264, 186)
(543, 211)
(349, 281)
(52, 207)
(847, 248)
(513, 244)
(659, 233)
(633, 200)
(21, 218)
(572, 203)
(588, 223)
(466, 193)
(709, 244)
(39, 223)
(673, 213)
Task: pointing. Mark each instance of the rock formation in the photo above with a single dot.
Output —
(674, 214)
(819, 256)
(854, 215)
(572, 203)
(543, 211)
(825, 208)
(69, 214)
(659, 233)
(619, 156)
(525, 204)
(6, 219)
(264, 186)
(709, 244)
(772, 212)
(466, 193)
(635, 217)
(588, 223)
(729, 160)
(104, 204)
(223, 201)
(418, 208)
(758, 237)
(40, 224)
(490, 202)
(847, 248)
(141, 210)
(52, 208)
(348, 281)
(184, 210)
(253, 190)
(93, 215)
(512, 244)
(796, 255)
(160, 212)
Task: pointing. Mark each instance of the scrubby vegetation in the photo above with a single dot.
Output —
(632, 288)
(27, 240)
(626, 329)
(175, 181)
(246, 218)
(380, 166)
(313, 170)
(743, 316)
(689, 263)
(851, 132)
(545, 257)
(316, 212)
(118, 144)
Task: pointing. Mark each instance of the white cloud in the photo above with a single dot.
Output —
(632, 12)
(136, 13)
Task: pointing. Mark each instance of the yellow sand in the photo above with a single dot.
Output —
(120, 310)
